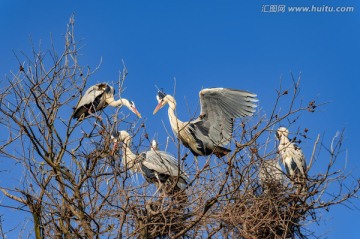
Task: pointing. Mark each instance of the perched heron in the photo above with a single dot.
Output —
(212, 130)
(156, 166)
(291, 154)
(97, 97)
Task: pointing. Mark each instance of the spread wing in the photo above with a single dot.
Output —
(219, 108)
(163, 163)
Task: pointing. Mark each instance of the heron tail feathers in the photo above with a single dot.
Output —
(220, 151)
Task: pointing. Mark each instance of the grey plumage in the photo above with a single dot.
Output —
(96, 98)
(212, 130)
(164, 167)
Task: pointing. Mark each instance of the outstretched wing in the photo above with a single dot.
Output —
(219, 108)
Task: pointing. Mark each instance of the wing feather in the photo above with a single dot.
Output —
(219, 107)
(93, 92)
(300, 159)
(163, 163)
(92, 98)
(294, 157)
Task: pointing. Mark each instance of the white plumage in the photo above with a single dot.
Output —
(291, 155)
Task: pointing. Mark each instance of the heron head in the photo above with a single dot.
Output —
(114, 138)
(282, 131)
(133, 109)
(119, 136)
(154, 145)
(161, 98)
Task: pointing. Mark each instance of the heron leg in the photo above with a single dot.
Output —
(157, 190)
(160, 187)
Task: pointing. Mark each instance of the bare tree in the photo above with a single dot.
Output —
(74, 187)
(68, 185)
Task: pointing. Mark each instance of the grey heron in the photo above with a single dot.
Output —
(293, 158)
(97, 97)
(212, 130)
(156, 166)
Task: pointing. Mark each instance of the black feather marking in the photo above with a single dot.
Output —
(287, 169)
(150, 176)
(115, 133)
(294, 166)
(161, 94)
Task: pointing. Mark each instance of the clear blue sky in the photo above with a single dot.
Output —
(211, 43)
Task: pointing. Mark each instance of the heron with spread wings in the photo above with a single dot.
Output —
(212, 130)
(97, 97)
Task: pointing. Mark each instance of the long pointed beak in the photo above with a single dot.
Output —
(137, 112)
(159, 106)
(114, 148)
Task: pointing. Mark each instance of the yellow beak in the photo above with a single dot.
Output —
(136, 112)
(159, 106)
(114, 148)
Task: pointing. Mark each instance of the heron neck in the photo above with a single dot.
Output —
(112, 102)
(284, 142)
(129, 157)
(175, 123)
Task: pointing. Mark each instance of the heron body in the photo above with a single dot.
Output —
(96, 98)
(212, 130)
(156, 166)
(291, 155)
